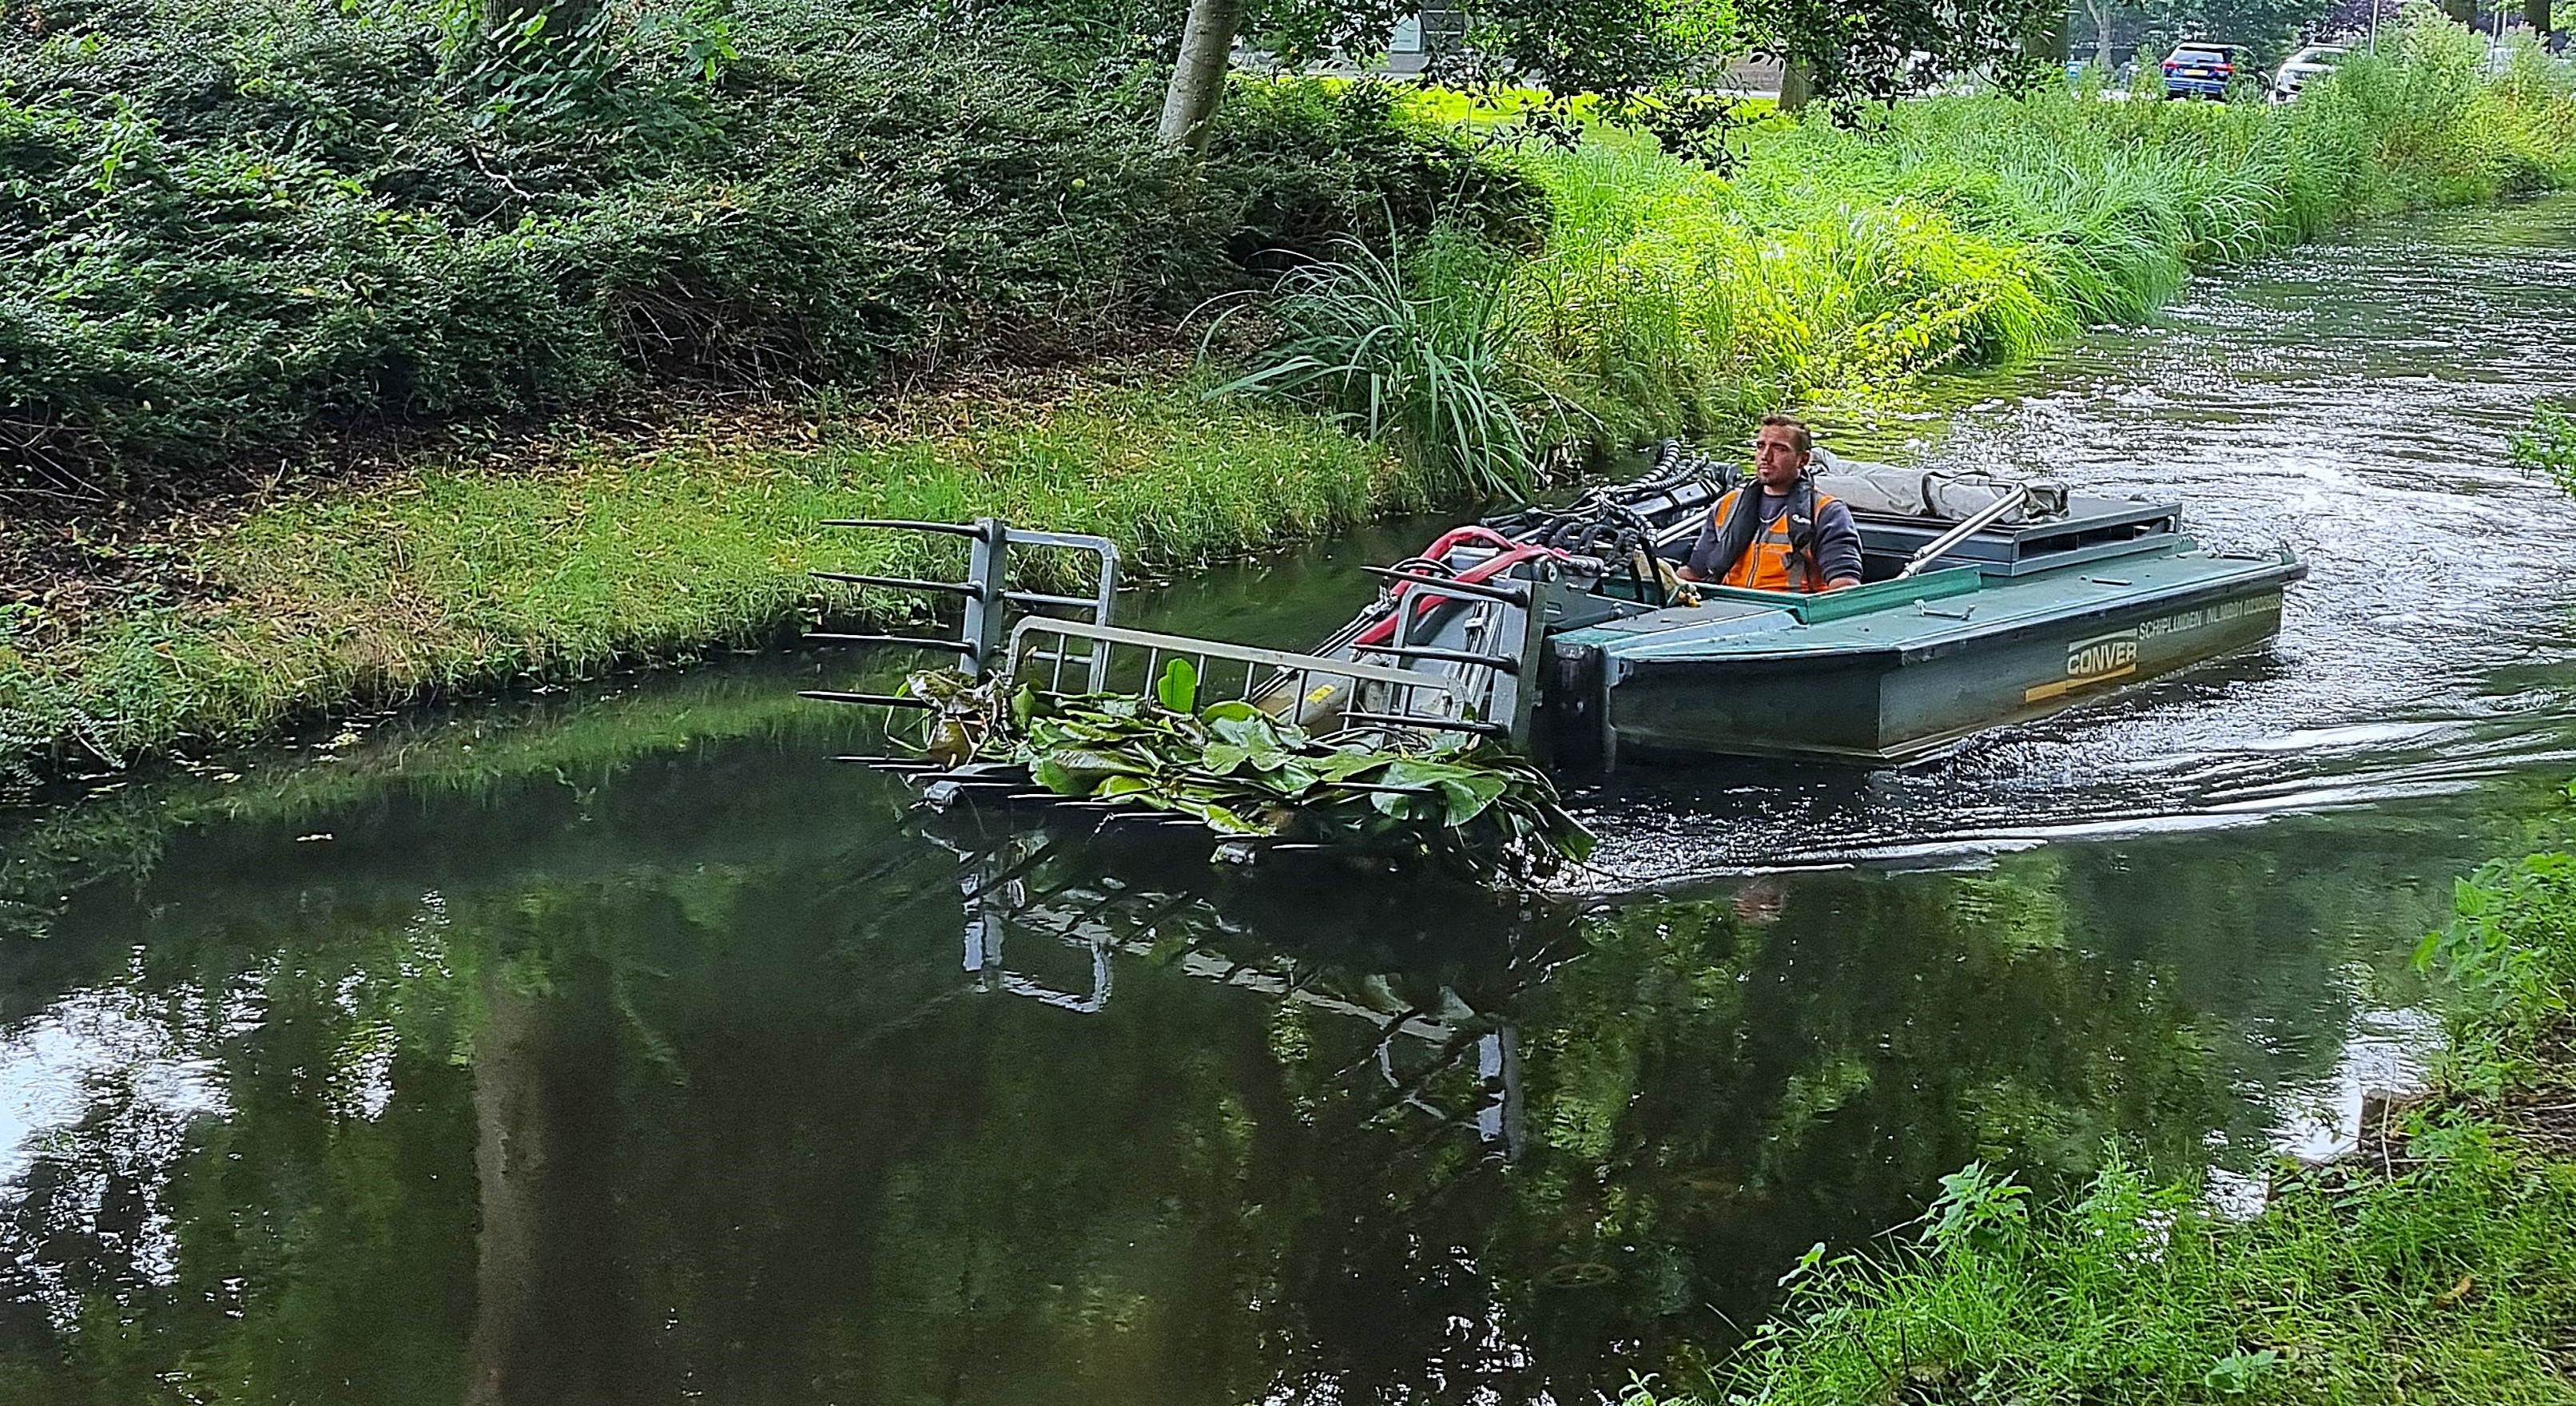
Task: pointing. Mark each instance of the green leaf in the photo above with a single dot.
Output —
(1223, 757)
(1178, 689)
(1077, 773)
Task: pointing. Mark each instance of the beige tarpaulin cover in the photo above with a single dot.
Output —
(1930, 493)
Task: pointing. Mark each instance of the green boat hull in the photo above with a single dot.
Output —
(1902, 670)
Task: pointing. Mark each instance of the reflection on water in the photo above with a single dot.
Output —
(615, 1049)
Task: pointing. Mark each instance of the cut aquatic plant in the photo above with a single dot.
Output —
(1457, 804)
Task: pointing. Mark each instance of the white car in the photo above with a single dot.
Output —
(2304, 65)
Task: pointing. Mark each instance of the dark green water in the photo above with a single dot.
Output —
(613, 1047)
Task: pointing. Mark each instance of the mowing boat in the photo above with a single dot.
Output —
(1566, 632)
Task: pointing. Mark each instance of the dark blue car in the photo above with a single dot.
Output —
(2200, 70)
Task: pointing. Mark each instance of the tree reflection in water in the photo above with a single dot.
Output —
(653, 1096)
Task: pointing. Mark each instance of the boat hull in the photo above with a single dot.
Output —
(1894, 702)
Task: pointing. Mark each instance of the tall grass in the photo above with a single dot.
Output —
(1972, 230)
(2443, 1274)
(1418, 358)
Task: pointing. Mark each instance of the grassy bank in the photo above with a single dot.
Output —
(469, 572)
(2435, 1264)
(1970, 231)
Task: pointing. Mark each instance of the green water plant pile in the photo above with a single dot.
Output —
(1450, 803)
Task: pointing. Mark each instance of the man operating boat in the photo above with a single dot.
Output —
(1778, 533)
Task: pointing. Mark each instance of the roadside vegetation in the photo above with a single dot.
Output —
(2432, 1264)
(348, 362)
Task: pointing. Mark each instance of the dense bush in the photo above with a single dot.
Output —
(224, 224)
(1308, 164)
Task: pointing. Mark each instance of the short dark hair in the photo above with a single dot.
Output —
(1806, 440)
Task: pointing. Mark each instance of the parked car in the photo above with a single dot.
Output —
(2199, 69)
(2304, 65)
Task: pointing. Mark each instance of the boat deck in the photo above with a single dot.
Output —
(1927, 614)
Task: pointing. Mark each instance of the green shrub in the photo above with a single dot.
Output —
(224, 225)
(2549, 448)
(1311, 163)
(2508, 960)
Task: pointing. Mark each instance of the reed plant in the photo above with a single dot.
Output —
(1415, 357)
(1971, 230)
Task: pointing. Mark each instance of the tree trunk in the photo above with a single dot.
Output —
(1797, 86)
(2101, 13)
(2536, 14)
(2465, 11)
(2045, 40)
(1198, 77)
(511, 1119)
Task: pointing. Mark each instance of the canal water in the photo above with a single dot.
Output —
(615, 1047)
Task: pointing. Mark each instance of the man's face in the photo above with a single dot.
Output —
(1777, 457)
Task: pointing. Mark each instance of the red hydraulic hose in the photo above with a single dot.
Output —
(1513, 554)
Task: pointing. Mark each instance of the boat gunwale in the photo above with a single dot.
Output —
(2259, 575)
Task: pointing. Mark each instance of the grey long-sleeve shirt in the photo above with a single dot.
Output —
(1837, 540)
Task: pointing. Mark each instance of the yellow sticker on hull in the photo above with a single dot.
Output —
(2100, 659)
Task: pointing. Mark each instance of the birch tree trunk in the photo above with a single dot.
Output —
(1796, 86)
(1198, 77)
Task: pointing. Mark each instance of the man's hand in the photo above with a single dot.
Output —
(1842, 583)
(1685, 573)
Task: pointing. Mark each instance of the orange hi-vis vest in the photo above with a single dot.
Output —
(1779, 558)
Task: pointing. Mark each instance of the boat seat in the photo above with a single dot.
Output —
(1940, 495)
